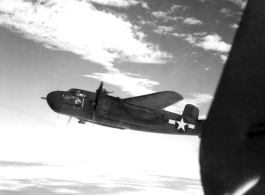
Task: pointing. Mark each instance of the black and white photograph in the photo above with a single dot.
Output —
(132, 97)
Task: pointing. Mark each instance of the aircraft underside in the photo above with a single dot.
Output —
(166, 126)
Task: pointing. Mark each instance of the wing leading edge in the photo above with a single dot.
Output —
(158, 100)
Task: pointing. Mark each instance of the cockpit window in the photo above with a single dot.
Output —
(71, 90)
(80, 93)
(77, 92)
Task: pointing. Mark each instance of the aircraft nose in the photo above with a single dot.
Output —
(54, 100)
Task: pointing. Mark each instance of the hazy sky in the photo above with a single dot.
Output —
(136, 47)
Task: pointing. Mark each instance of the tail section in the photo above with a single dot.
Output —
(191, 111)
(195, 125)
(187, 123)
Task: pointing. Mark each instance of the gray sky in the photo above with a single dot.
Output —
(135, 47)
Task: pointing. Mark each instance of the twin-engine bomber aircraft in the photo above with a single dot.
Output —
(142, 113)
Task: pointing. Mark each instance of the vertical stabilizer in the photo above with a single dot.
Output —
(191, 111)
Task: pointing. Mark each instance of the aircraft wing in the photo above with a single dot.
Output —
(158, 100)
(232, 151)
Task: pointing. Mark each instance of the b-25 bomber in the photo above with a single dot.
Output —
(141, 113)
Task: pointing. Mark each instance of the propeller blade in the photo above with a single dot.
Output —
(69, 120)
(43, 98)
(95, 104)
(100, 87)
(94, 117)
(98, 92)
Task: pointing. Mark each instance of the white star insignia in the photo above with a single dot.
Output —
(182, 124)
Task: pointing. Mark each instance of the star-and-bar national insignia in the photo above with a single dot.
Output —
(181, 124)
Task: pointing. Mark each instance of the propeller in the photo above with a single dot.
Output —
(95, 104)
(98, 92)
(43, 98)
(69, 120)
(94, 117)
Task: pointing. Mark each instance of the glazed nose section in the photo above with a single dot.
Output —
(54, 99)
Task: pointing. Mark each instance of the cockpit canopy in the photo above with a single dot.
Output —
(71, 90)
(77, 92)
(82, 93)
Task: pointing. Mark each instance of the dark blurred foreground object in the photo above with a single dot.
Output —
(232, 152)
